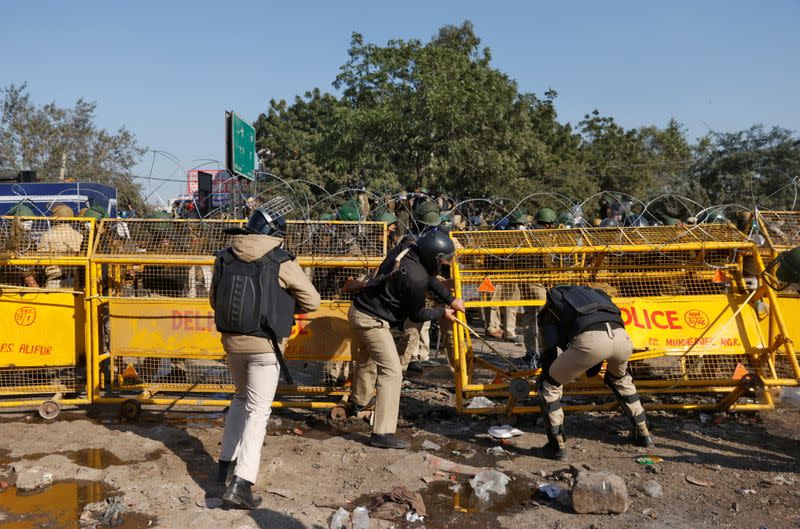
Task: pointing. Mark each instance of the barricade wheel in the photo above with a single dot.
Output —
(130, 409)
(49, 409)
(339, 413)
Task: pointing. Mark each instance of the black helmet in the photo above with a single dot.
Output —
(268, 219)
(635, 220)
(789, 266)
(609, 222)
(435, 248)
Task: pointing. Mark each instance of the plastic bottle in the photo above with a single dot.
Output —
(360, 518)
(340, 519)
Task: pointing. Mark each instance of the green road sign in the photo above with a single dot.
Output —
(240, 146)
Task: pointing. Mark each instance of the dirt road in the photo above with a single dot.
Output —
(158, 471)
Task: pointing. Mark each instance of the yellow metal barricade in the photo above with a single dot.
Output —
(45, 342)
(157, 342)
(705, 335)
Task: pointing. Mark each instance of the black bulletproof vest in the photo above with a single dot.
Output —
(248, 298)
(578, 307)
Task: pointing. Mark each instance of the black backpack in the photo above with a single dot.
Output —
(248, 298)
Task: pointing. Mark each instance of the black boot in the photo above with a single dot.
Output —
(239, 495)
(225, 471)
(554, 449)
(416, 367)
(387, 440)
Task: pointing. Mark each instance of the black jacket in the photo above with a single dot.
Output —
(402, 295)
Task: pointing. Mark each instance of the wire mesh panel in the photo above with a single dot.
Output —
(41, 237)
(199, 238)
(355, 240)
(626, 262)
(28, 380)
(783, 228)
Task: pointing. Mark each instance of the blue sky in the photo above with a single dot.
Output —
(168, 70)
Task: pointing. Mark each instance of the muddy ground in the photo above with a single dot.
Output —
(158, 471)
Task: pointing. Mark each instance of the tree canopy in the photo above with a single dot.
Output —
(53, 141)
(438, 115)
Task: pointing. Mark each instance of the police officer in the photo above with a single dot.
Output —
(256, 289)
(587, 326)
(545, 219)
(396, 292)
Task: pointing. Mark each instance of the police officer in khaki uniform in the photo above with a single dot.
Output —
(586, 325)
(256, 289)
(60, 239)
(396, 293)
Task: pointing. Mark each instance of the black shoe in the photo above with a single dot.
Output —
(225, 471)
(552, 450)
(239, 495)
(416, 367)
(387, 440)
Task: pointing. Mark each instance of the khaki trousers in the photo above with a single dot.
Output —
(376, 364)
(533, 342)
(255, 376)
(417, 339)
(586, 350)
(504, 292)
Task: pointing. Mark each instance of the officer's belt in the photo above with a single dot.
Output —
(602, 326)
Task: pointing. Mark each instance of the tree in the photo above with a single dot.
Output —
(293, 135)
(55, 141)
(752, 167)
(433, 115)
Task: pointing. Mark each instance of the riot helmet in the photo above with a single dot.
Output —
(634, 220)
(789, 266)
(350, 211)
(545, 216)
(435, 248)
(428, 213)
(267, 219)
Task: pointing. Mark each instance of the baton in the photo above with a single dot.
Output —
(481, 338)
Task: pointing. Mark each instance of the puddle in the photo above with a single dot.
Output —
(185, 420)
(98, 458)
(59, 507)
(463, 509)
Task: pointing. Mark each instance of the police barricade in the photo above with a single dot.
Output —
(704, 334)
(781, 232)
(157, 342)
(45, 342)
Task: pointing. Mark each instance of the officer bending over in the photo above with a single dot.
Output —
(256, 289)
(397, 292)
(588, 328)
